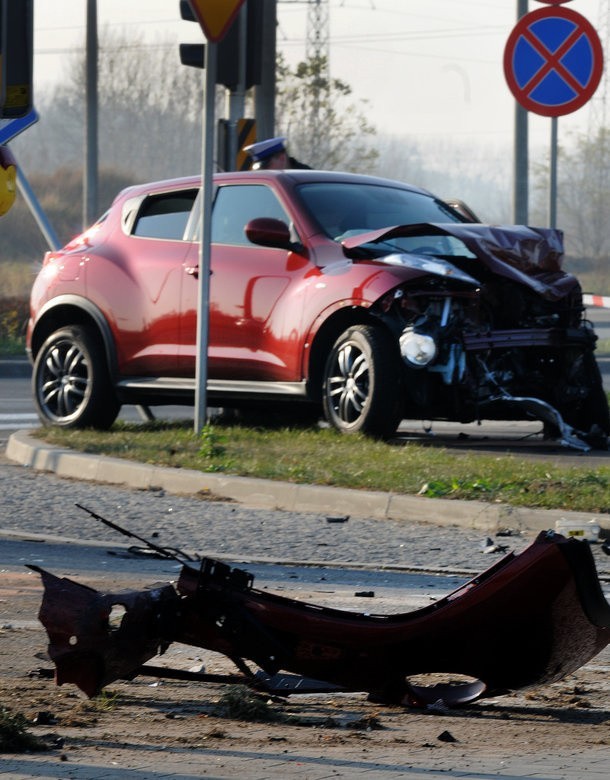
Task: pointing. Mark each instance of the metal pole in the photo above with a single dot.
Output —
(36, 209)
(203, 298)
(553, 176)
(237, 96)
(90, 177)
(264, 93)
(521, 160)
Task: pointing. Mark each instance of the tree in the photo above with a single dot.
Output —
(149, 112)
(343, 135)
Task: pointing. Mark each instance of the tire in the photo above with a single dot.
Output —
(591, 415)
(71, 382)
(362, 383)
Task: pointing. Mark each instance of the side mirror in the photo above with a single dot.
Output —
(267, 231)
(463, 209)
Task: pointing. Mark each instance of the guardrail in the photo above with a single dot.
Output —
(601, 301)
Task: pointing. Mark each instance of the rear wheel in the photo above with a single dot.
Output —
(362, 388)
(71, 382)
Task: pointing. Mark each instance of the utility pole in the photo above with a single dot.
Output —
(90, 172)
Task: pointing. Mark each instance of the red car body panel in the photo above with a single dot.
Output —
(529, 620)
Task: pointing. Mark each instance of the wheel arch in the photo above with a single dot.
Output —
(66, 310)
(326, 335)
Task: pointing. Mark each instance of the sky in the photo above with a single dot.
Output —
(427, 69)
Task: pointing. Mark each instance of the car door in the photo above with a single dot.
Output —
(143, 282)
(255, 307)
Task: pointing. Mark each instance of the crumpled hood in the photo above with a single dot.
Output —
(519, 245)
(522, 253)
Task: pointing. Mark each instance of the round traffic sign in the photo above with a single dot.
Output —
(553, 61)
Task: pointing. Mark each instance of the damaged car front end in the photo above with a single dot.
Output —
(490, 327)
(528, 620)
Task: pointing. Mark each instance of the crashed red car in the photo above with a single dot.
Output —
(366, 298)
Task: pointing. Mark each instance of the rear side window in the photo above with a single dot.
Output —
(165, 216)
(235, 205)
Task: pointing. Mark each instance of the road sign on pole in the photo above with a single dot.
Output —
(215, 16)
(553, 61)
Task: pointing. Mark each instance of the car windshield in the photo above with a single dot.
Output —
(346, 209)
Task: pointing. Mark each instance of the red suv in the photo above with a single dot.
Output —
(364, 297)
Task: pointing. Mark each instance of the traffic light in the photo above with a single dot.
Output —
(193, 54)
(8, 179)
(16, 57)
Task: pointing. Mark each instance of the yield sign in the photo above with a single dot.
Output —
(553, 61)
(215, 16)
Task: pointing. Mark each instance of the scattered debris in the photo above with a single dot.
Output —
(366, 723)
(489, 546)
(44, 718)
(439, 707)
(585, 532)
(446, 736)
(240, 703)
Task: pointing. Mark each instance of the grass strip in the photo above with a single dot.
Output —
(325, 457)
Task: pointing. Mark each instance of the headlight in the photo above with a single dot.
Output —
(417, 349)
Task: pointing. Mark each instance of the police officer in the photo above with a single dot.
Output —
(271, 154)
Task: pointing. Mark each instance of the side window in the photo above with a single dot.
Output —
(235, 205)
(165, 216)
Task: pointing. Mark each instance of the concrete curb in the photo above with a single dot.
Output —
(268, 494)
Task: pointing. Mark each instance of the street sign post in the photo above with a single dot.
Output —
(215, 17)
(553, 61)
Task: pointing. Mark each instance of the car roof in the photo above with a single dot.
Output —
(290, 177)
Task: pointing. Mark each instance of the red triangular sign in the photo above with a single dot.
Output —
(215, 16)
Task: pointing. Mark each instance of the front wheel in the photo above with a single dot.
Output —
(590, 413)
(362, 387)
(71, 383)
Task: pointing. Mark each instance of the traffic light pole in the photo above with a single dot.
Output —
(237, 96)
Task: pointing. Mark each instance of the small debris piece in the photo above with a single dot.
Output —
(44, 718)
(41, 674)
(367, 723)
(365, 594)
(489, 546)
(439, 707)
(446, 736)
(337, 518)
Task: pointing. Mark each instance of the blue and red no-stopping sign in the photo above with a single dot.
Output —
(553, 61)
